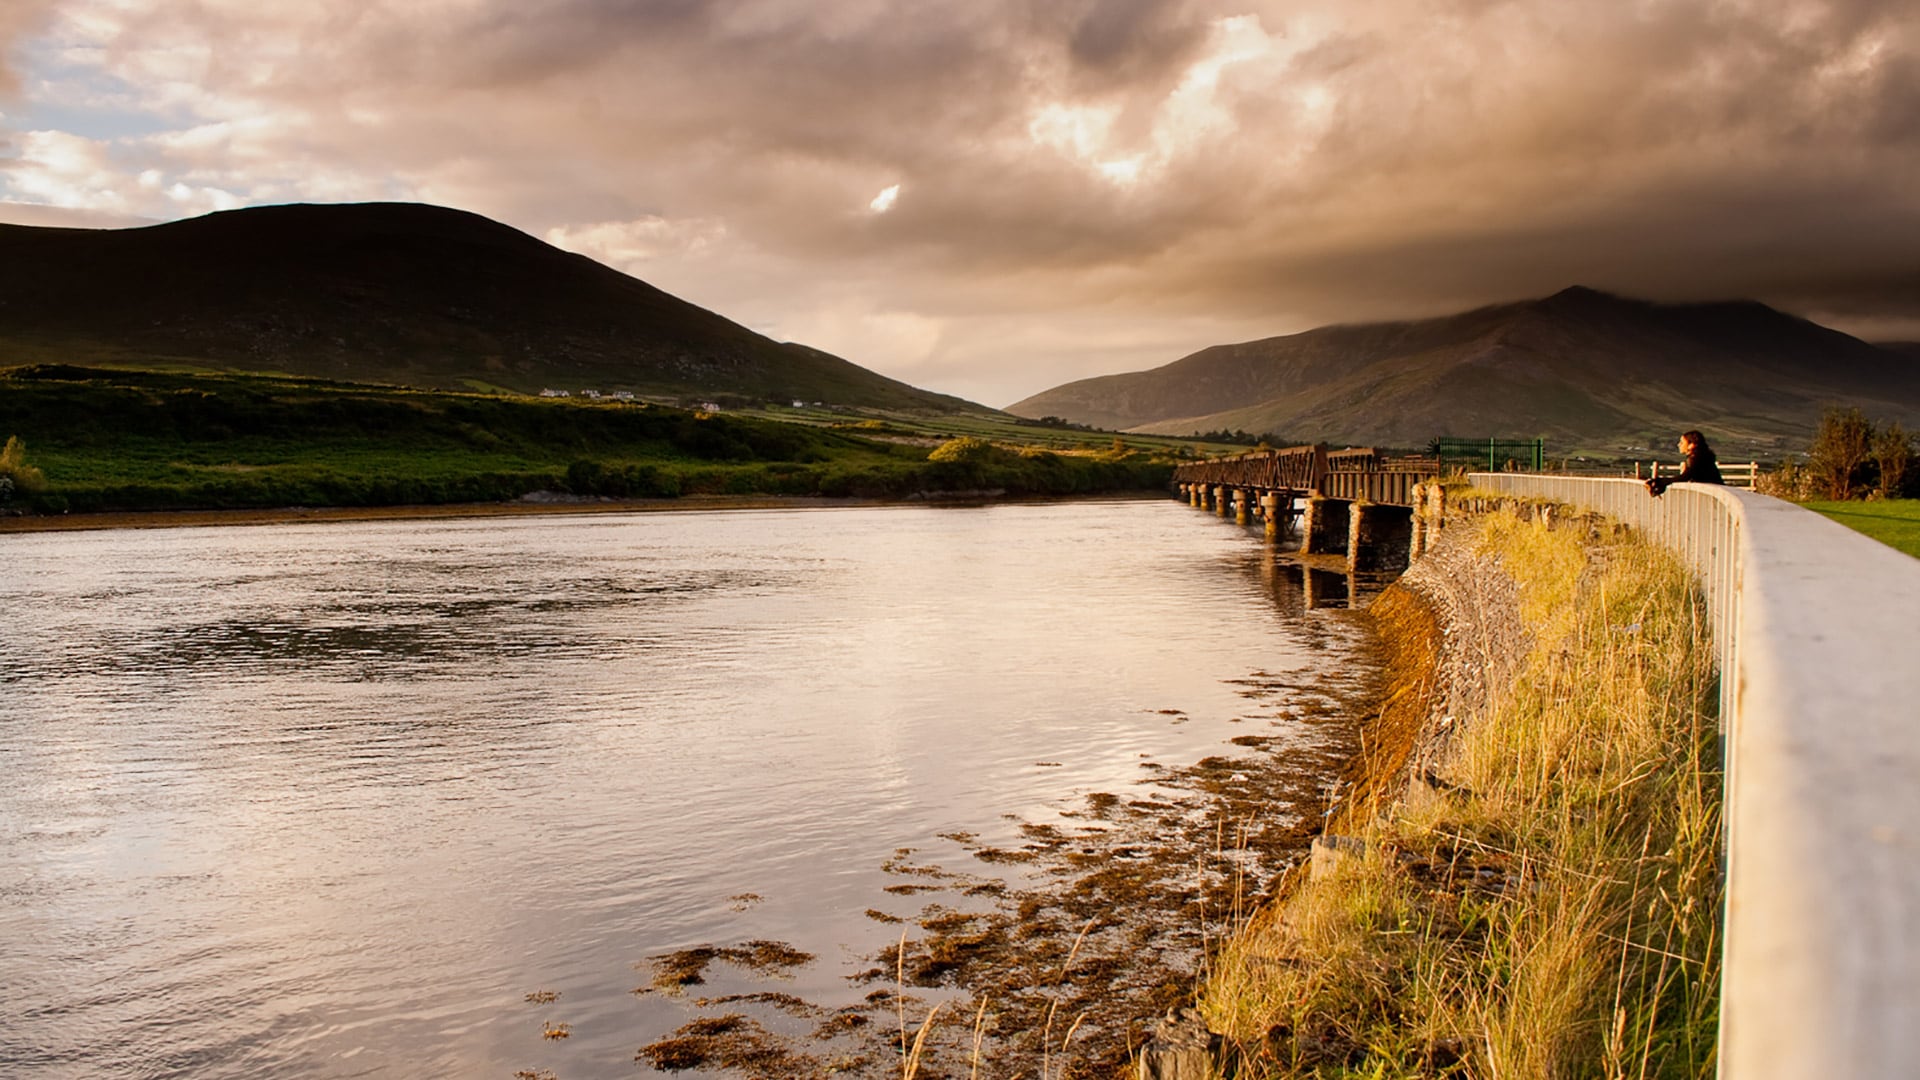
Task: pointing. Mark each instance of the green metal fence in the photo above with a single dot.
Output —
(1493, 455)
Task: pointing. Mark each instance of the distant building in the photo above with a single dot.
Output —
(594, 394)
(709, 406)
(623, 395)
(798, 404)
(555, 393)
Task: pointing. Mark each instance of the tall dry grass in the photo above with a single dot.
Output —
(1553, 908)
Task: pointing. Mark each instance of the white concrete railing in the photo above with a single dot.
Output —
(1815, 627)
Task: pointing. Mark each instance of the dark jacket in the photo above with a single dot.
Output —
(1701, 468)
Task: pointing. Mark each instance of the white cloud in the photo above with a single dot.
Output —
(884, 201)
(631, 245)
(58, 169)
(1080, 132)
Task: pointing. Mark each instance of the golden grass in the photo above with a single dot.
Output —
(1555, 911)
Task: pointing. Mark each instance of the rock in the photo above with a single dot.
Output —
(1333, 855)
(1182, 1049)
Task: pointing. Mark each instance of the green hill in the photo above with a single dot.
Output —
(397, 294)
(1580, 367)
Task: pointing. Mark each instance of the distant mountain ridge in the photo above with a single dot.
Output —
(1580, 367)
(392, 293)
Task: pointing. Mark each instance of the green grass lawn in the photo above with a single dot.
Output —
(1894, 522)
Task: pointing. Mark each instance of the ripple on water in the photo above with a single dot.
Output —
(331, 800)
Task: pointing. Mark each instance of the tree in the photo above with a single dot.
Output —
(1893, 452)
(1841, 454)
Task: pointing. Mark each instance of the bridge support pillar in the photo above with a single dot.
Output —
(1277, 510)
(1378, 537)
(1193, 495)
(1241, 511)
(1429, 512)
(1323, 528)
(1325, 588)
(1222, 496)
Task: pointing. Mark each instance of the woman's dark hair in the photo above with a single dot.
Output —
(1698, 440)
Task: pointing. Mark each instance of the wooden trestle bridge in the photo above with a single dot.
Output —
(1354, 502)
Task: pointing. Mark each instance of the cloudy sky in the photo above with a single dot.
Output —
(990, 197)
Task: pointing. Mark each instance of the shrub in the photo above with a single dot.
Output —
(967, 450)
(1789, 481)
(1841, 456)
(1893, 453)
(13, 465)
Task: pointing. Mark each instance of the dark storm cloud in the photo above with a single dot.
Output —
(1259, 164)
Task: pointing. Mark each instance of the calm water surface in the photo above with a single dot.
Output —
(330, 800)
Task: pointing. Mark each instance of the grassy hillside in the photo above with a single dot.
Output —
(117, 440)
(392, 293)
(1580, 367)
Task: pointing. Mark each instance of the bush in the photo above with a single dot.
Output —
(967, 450)
(22, 477)
(1893, 454)
(1841, 458)
(1790, 481)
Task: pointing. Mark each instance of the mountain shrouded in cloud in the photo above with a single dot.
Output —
(991, 198)
(1584, 369)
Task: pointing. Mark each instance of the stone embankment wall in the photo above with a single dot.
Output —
(1454, 642)
(1469, 695)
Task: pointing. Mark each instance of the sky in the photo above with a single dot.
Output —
(993, 197)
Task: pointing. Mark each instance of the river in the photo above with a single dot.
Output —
(333, 800)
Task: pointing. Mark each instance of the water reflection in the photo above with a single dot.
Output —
(331, 800)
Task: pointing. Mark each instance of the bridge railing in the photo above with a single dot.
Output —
(1296, 468)
(1814, 626)
(1355, 473)
(1381, 486)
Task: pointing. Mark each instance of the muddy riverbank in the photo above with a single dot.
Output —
(1059, 953)
(530, 507)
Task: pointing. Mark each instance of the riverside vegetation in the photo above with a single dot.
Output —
(1547, 904)
(104, 440)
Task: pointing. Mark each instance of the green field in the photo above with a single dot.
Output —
(128, 440)
(1894, 522)
(1002, 428)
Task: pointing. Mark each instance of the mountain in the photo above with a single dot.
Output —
(392, 293)
(1580, 367)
